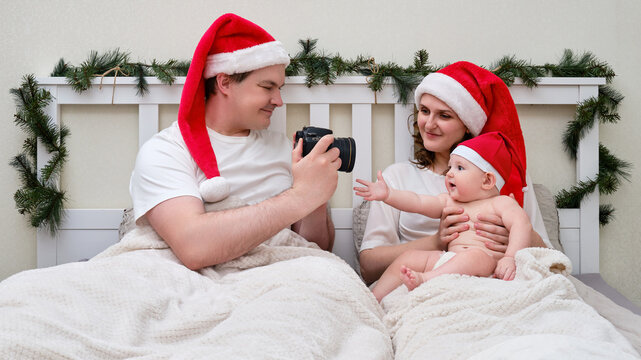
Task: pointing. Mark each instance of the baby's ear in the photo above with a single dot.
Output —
(489, 181)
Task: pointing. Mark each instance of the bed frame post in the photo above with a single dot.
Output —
(587, 169)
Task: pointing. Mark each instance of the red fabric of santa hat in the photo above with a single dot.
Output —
(494, 152)
(231, 45)
(484, 104)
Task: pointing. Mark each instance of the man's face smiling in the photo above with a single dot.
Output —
(256, 97)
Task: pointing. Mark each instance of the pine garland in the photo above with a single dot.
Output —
(43, 202)
(39, 198)
(114, 63)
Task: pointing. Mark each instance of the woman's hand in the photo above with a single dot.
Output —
(453, 221)
(491, 227)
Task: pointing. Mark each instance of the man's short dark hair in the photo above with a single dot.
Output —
(210, 84)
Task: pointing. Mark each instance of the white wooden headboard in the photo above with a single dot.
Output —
(86, 232)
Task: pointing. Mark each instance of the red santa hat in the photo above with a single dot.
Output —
(484, 104)
(231, 45)
(493, 152)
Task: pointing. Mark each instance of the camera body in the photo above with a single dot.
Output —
(347, 146)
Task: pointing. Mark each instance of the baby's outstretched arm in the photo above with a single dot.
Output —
(407, 201)
(374, 190)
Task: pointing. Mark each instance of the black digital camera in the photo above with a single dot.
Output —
(346, 146)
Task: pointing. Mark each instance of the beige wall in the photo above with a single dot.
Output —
(37, 33)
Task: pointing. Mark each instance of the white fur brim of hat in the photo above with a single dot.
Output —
(476, 159)
(451, 92)
(247, 59)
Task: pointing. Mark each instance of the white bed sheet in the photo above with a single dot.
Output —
(461, 317)
(284, 300)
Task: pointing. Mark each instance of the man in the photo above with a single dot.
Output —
(220, 147)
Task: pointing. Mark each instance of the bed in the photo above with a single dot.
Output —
(288, 299)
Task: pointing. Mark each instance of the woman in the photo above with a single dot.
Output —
(456, 103)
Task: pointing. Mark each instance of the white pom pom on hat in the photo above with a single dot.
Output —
(214, 189)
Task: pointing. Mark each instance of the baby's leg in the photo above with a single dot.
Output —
(411, 278)
(475, 262)
(418, 260)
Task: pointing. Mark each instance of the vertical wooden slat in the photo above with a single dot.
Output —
(362, 134)
(403, 141)
(319, 115)
(279, 120)
(147, 122)
(588, 168)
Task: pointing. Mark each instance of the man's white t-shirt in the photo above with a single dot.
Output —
(389, 226)
(256, 167)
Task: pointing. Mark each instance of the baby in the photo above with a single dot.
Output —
(479, 168)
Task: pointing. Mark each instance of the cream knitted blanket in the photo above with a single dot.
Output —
(286, 299)
(539, 315)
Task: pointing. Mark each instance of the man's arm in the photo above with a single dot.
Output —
(317, 227)
(201, 239)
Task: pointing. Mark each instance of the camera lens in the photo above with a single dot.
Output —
(347, 148)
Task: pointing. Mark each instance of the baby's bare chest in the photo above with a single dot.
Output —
(474, 208)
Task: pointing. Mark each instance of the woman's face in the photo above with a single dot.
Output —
(439, 126)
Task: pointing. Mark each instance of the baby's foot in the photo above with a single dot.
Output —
(410, 278)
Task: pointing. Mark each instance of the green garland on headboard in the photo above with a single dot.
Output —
(43, 202)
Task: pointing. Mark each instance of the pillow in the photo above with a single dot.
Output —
(547, 205)
(544, 197)
(127, 223)
(359, 221)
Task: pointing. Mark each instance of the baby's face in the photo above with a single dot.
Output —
(464, 179)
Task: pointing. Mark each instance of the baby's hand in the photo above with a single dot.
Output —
(505, 268)
(373, 191)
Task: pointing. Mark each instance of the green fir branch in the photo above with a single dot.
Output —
(141, 85)
(48, 210)
(584, 118)
(610, 164)
(572, 198)
(509, 67)
(606, 214)
(584, 65)
(166, 72)
(26, 170)
(61, 68)
(38, 198)
(30, 147)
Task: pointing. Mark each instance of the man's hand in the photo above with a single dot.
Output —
(374, 190)
(316, 174)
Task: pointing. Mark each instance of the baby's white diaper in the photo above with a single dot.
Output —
(447, 255)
